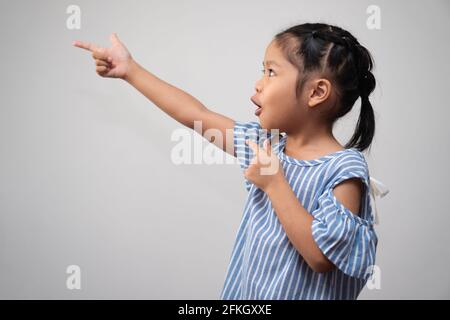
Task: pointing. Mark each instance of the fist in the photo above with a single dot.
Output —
(264, 169)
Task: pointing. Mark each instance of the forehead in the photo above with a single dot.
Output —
(274, 56)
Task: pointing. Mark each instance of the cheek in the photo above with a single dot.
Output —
(276, 115)
(276, 91)
(281, 98)
(280, 107)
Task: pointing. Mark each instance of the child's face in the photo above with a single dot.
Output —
(275, 92)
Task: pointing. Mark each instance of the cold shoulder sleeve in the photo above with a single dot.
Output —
(348, 240)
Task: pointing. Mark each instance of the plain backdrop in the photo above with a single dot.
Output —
(86, 176)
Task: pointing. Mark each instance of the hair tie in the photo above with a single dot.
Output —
(363, 86)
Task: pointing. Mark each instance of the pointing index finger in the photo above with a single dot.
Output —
(268, 146)
(85, 45)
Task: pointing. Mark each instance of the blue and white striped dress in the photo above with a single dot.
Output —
(265, 265)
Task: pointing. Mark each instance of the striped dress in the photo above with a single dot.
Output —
(265, 265)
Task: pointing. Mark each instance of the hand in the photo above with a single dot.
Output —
(264, 170)
(113, 62)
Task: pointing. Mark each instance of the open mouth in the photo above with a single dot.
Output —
(258, 107)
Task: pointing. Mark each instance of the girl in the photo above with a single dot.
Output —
(307, 229)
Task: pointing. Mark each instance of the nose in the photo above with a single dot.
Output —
(258, 86)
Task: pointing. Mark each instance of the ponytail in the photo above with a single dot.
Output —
(365, 127)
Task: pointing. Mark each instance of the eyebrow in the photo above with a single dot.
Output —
(271, 62)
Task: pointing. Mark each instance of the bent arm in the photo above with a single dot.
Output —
(296, 220)
(180, 105)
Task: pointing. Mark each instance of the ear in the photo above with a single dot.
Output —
(320, 90)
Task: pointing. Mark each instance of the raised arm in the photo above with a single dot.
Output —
(117, 62)
(179, 104)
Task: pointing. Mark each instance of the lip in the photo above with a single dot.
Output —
(258, 106)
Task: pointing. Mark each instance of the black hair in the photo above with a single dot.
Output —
(337, 55)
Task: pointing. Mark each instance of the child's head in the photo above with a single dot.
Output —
(320, 72)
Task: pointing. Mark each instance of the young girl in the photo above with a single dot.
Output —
(307, 229)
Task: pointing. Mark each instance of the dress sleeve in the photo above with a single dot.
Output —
(349, 241)
(244, 154)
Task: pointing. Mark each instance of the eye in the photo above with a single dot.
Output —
(270, 70)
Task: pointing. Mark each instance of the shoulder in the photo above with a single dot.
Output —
(351, 163)
(348, 181)
(349, 193)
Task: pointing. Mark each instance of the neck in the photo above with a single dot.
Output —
(311, 139)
